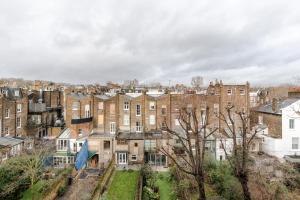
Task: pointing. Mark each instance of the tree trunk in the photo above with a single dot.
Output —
(200, 181)
(244, 182)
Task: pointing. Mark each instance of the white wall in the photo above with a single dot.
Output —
(272, 146)
(219, 151)
(280, 147)
(288, 113)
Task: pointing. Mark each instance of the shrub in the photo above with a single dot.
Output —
(224, 182)
(61, 190)
(149, 194)
(149, 177)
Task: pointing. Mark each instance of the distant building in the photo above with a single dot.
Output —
(254, 98)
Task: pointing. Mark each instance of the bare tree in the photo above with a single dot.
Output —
(194, 130)
(242, 137)
(197, 82)
(32, 162)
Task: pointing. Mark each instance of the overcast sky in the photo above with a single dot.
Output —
(97, 41)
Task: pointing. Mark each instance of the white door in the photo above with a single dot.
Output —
(122, 158)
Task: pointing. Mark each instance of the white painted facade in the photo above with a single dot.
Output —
(66, 149)
(291, 113)
(283, 146)
(220, 153)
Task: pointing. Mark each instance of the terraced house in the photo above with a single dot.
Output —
(127, 127)
(45, 119)
(13, 112)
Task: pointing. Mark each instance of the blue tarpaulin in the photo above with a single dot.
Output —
(82, 156)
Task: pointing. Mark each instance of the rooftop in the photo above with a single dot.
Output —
(66, 133)
(79, 96)
(268, 108)
(9, 141)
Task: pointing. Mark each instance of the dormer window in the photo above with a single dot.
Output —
(17, 93)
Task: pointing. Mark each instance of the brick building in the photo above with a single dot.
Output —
(128, 125)
(45, 118)
(13, 112)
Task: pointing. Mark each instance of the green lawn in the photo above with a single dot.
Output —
(123, 186)
(165, 186)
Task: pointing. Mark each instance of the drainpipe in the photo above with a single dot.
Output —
(15, 118)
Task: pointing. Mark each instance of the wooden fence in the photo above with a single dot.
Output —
(104, 180)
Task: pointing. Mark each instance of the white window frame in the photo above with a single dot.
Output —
(122, 158)
(17, 93)
(138, 126)
(126, 105)
(242, 92)
(62, 144)
(87, 111)
(19, 107)
(112, 127)
(292, 124)
(19, 124)
(229, 91)
(138, 110)
(134, 157)
(7, 113)
(152, 119)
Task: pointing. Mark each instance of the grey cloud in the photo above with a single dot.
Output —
(98, 41)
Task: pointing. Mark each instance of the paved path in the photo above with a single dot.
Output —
(83, 188)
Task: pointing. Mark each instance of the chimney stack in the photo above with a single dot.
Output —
(274, 105)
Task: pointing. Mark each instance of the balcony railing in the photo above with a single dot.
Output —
(37, 107)
(81, 120)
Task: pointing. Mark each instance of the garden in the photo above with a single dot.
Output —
(28, 177)
(124, 185)
(46, 185)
